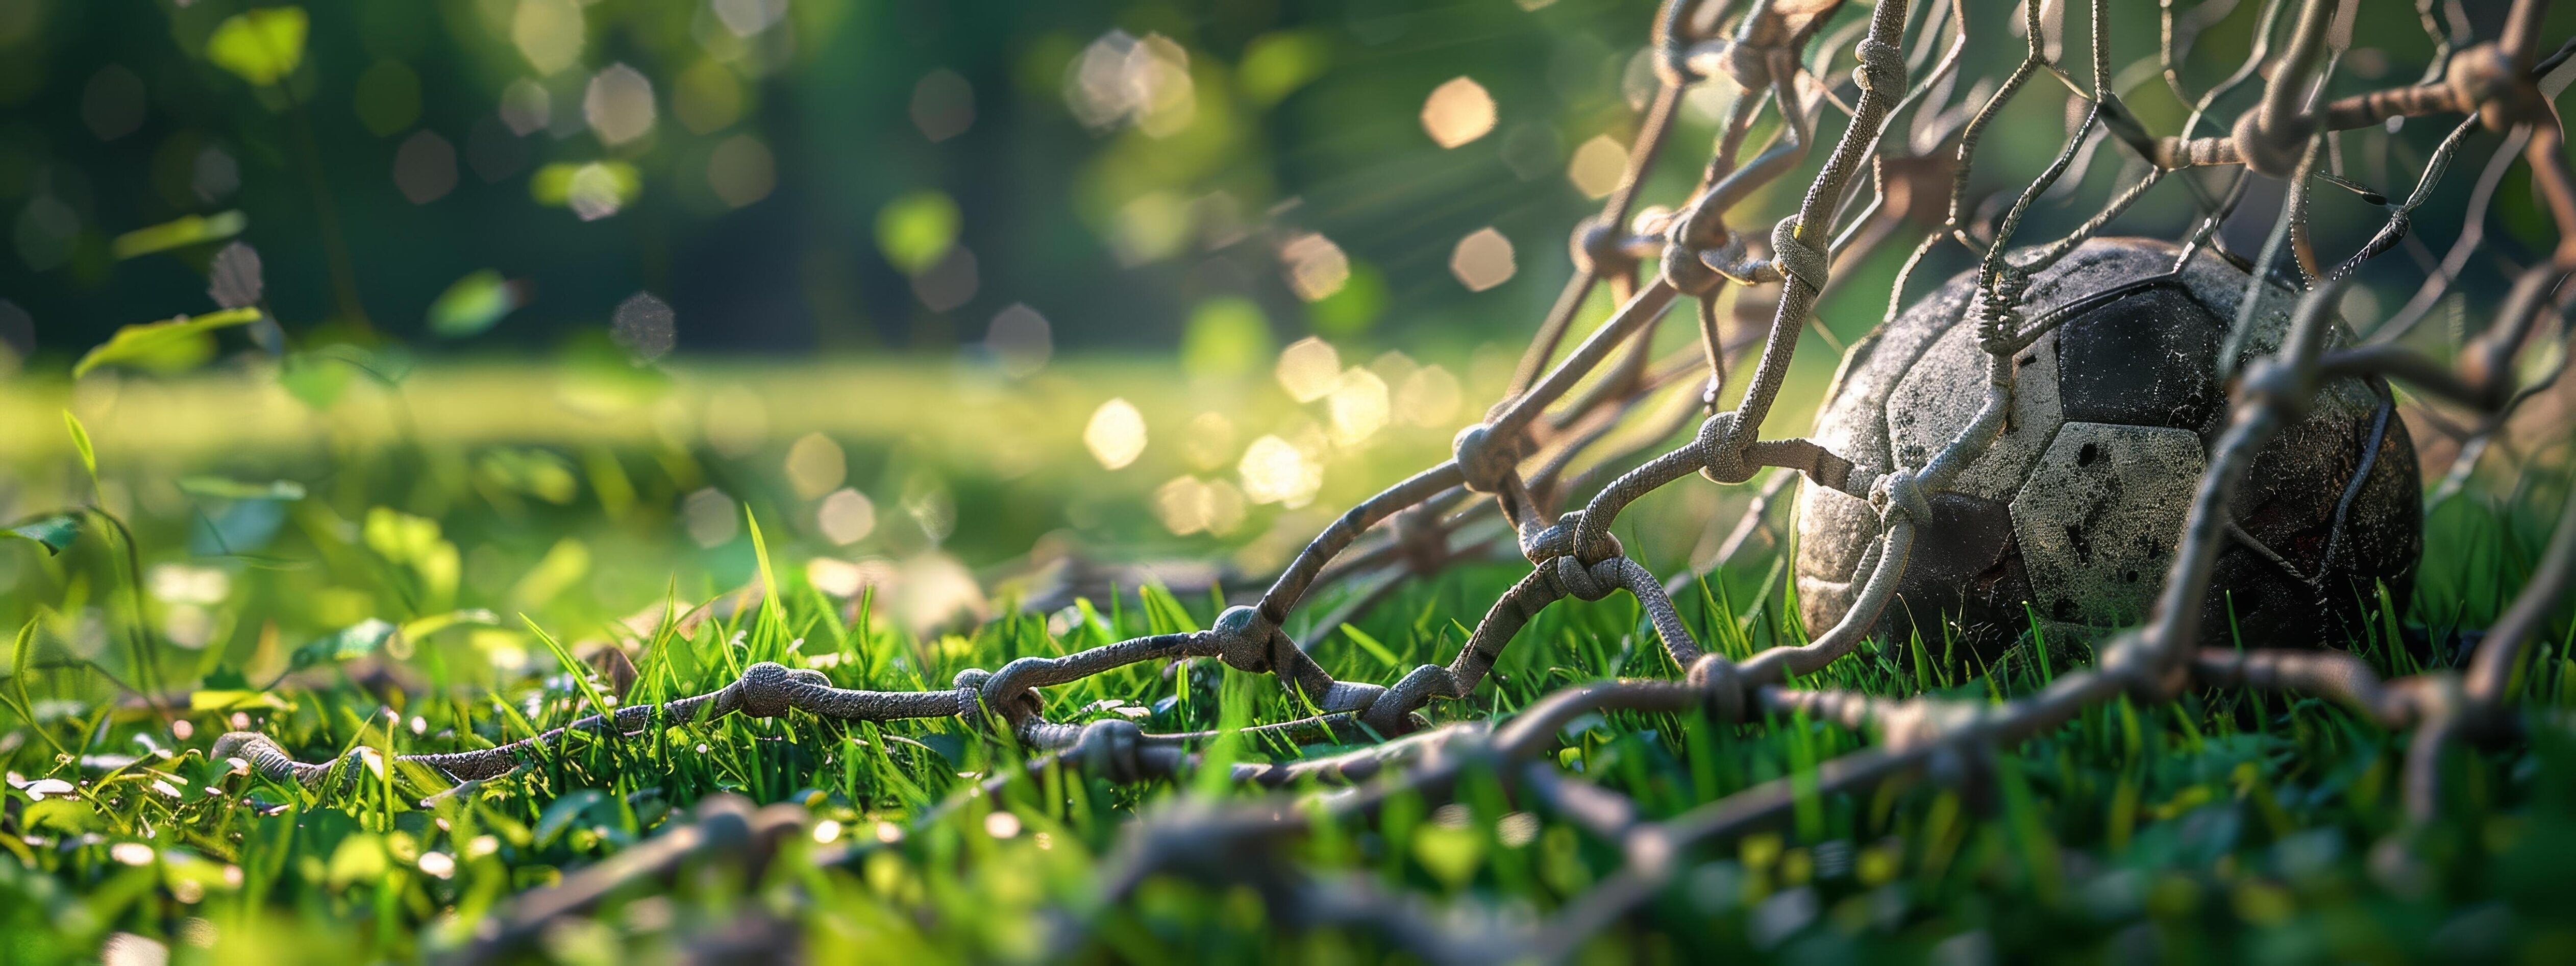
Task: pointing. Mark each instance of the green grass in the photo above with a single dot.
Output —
(2223, 825)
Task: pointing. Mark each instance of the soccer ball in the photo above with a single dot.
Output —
(2068, 521)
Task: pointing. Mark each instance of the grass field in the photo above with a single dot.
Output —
(431, 566)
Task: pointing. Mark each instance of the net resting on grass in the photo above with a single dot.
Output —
(1511, 474)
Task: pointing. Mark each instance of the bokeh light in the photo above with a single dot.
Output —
(846, 517)
(645, 325)
(1598, 167)
(1276, 471)
(737, 422)
(1121, 79)
(549, 33)
(526, 107)
(950, 283)
(1429, 396)
(1457, 112)
(741, 170)
(1482, 260)
(815, 465)
(1019, 340)
(943, 105)
(425, 167)
(1208, 441)
(1316, 267)
(618, 105)
(1309, 369)
(1358, 407)
(1116, 434)
(711, 518)
(387, 98)
(747, 18)
(113, 103)
(707, 97)
(1188, 505)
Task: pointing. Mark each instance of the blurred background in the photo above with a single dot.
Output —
(836, 175)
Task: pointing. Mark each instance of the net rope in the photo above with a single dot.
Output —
(1907, 111)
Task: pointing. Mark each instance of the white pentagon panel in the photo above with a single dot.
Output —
(1943, 392)
(2100, 515)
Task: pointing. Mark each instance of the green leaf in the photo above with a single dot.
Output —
(54, 531)
(1277, 64)
(1451, 855)
(180, 233)
(232, 699)
(354, 641)
(226, 677)
(423, 627)
(916, 230)
(168, 345)
(769, 631)
(473, 304)
(70, 816)
(560, 815)
(80, 441)
(20, 660)
(572, 666)
(1356, 306)
(220, 488)
(1226, 336)
(1369, 644)
(592, 190)
(360, 858)
(262, 46)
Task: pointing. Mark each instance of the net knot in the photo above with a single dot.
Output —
(1720, 686)
(1557, 541)
(1108, 748)
(1572, 578)
(1899, 497)
(1721, 462)
(1597, 247)
(1999, 313)
(1483, 461)
(764, 689)
(2269, 382)
(1882, 68)
(1003, 691)
(2484, 79)
(1421, 542)
(1796, 258)
(1686, 272)
(1244, 639)
(2272, 152)
(970, 691)
(1391, 713)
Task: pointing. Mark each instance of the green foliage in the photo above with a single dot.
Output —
(1276, 64)
(169, 345)
(607, 185)
(260, 45)
(81, 444)
(474, 303)
(52, 531)
(1225, 337)
(179, 233)
(1353, 308)
(916, 230)
(222, 488)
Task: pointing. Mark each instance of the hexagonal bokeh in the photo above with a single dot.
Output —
(1944, 390)
(2100, 515)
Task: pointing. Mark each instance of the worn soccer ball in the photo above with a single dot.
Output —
(2069, 520)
